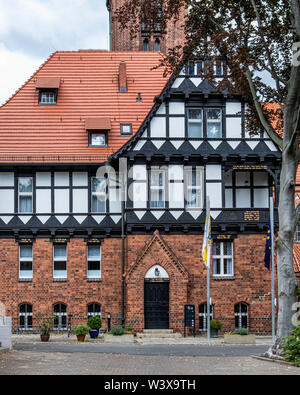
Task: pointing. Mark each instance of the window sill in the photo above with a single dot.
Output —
(25, 280)
(223, 278)
(60, 280)
(94, 280)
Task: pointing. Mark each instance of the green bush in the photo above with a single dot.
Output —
(292, 347)
(241, 331)
(216, 325)
(117, 331)
(81, 330)
(94, 322)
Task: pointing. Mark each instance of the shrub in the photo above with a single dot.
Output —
(94, 322)
(292, 347)
(117, 331)
(241, 331)
(216, 325)
(81, 330)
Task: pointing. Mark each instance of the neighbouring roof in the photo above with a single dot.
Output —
(297, 258)
(88, 92)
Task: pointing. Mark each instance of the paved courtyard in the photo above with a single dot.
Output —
(63, 356)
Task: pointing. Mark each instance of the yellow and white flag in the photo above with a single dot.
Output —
(207, 236)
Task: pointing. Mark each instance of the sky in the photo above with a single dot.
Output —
(31, 30)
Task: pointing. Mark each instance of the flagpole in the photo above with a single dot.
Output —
(272, 267)
(208, 274)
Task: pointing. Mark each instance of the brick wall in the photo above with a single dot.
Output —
(180, 255)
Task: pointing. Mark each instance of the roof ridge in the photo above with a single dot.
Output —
(29, 79)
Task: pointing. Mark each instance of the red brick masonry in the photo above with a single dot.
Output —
(179, 255)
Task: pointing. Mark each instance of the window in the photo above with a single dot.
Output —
(94, 261)
(25, 261)
(99, 193)
(222, 258)
(98, 139)
(126, 129)
(241, 316)
(203, 316)
(194, 188)
(298, 233)
(60, 317)
(195, 123)
(157, 189)
(214, 123)
(157, 45)
(25, 317)
(247, 190)
(25, 195)
(93, 310)
(146, 45)
(219, 68)
(47, 97)
(59, 261)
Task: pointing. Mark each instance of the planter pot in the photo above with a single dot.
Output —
(45, 338)
(94, 333)
(214, 333)
(80, 338)
(239, 339)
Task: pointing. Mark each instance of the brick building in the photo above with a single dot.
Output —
(92, 126)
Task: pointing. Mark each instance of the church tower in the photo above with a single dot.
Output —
(120, 40)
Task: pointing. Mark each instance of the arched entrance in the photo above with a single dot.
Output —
(156, 298)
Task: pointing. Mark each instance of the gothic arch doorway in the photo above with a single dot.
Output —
(156, 298)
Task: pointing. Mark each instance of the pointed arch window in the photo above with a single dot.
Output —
(157, 45)
(146, 45)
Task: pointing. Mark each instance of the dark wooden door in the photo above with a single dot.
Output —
(156, 305)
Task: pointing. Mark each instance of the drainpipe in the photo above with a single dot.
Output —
(123, 174)
(109, 11)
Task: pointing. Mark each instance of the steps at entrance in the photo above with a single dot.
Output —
(159, 334)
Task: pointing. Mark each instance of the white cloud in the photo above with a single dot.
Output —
(15, 69)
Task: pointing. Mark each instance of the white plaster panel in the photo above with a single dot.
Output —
(177, 127)
(7, 203)
(261, 198)
(80, 179)
(43, 179)
(62, 204)
(43, 201)
(158, 127)
(175, 172)
(161, 110)
(228, 198)
(243, 199)
(176, 195)
(233, 108)
(162, 273)
(7, 179)
(114, 200)
(213, 172)
(234, 128)
(80, 201)
(61, 179)
(176, 108)
(139, 172)
(139, 194)
(214, 191)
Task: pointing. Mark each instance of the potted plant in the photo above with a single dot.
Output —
(45, 328)
(81, 331)
(215, 326)
(94, 324)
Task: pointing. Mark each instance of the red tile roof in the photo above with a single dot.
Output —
(47, 82)
(89, 88)
(297, 258)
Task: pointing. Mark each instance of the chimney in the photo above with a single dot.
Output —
(122, 77)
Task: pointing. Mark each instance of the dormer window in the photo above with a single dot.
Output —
(48, 90)
(98, 129)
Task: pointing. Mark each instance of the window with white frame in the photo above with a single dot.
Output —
(60, 261)
(47, 97)
(298, 233)
(60, 317)
(214, 123)
(241, 313)
(25, 317)
(194, 187)
(222, 258)
(25, 262)
(94, 261)
(99, 194)
(25, 189)
(93, 310)
(157, 188)
(195, 123)
(203, 316)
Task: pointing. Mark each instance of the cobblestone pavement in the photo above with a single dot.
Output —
(59, 358)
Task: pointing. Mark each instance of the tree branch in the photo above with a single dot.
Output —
(268, 128)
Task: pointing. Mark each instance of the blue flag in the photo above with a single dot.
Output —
(268, 249)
